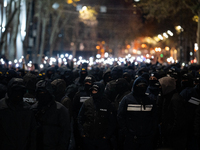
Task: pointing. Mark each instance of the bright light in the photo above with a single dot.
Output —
(70, 57)
(148, 61)
(3, 62)
(59, 60)
(91, 59)
(15, 61)
(191, 53)
(20, 60)
(170, 33)
(66, 63)
(80, 58)
(165, 35)
(62, 56)
(10, 62)
(55, 6)
(84, 8)
(167, 48)
(134, 51)
(116, 59)
(45, 62)
(74, 59)
(17, 65)
(152, 57)
(22, 57)
(106, 54)
(183, 64)
(139, 52)
(41, 66)
(160, 37)
(147, 55)
(30, 62)
(196, 46)
(136, 63)
(64, 59)
(136, 0)
(66, 55)
(45, 57)
(129, 55)
(5, 3)
(98, 56)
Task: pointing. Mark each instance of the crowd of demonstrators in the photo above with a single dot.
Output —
(112, 107)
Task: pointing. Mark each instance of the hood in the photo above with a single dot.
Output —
(59, 86)
(99, 87)
(138, 81)
(45, 85)
(30, 81)
(168, 84)
(122, 85)
(15, 83)
(90, 79)
(117, 72)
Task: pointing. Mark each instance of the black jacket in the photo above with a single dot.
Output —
(96, 120)
(53, 126)
(17, 126)
(137, 114)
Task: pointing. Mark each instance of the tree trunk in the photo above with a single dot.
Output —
(42, 46)
(53, 34)
(198, 39)
(37, 44)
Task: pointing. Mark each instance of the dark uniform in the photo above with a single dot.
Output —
(137, 118)
(96, 120)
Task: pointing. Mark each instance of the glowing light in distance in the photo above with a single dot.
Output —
(62, 56)
(10, 62)
(160, 37)
(15, 61)
(98, 56)
(17, 65)
(170, 33)
(70, 57)
(165, 35)
(64, 59)
(20, 60)
(106, 54)
(41, 66)
(147, 55)
(80, 57)
(66, 55)
(59, 60)
(136, 63)
(74, 59)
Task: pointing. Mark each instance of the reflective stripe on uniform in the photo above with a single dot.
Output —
(138, 107)
(83, 99)
(194, 101)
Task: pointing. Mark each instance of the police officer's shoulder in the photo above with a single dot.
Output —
(60, 106)
(3, 104)
(187, 93)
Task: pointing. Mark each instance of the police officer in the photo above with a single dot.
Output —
(52, 117)
(96, 120)
(17, 121)
(137, 118)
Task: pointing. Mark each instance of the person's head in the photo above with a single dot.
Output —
(44, 92)
(88, 82)
(97, 90)
(153, 79)
(16, 90)
(140, 86)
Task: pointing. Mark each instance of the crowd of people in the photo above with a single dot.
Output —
(143, 107)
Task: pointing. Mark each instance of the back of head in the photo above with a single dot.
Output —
(117, 72)
(30, 81)
(59, 86)
(168, 84)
